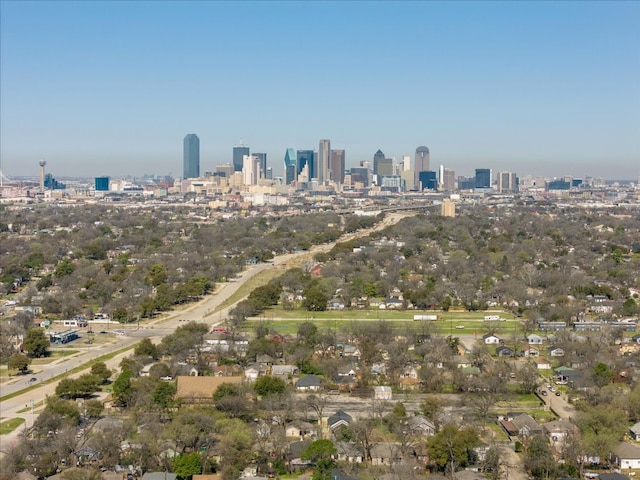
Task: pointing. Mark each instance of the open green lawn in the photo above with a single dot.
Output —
(453, 323)
(10, 425)
(53, 356)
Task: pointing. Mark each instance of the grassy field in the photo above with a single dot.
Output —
(452, 323)
(9, 426)
(53, 356)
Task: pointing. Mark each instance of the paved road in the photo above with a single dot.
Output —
(212, 310)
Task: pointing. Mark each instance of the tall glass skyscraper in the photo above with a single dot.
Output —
(191, 156)
(290, 166)
(262, 158)
(307, 157)
(421, 164)
(483, 178)
(239, 151)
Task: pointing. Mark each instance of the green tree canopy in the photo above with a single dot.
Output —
(36, 343)
(268, 385)
(449, 448)
(19, 362)
(186, 465)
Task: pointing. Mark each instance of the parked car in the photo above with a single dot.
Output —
(544, 393)
(557, 394)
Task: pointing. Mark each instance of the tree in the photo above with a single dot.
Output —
(602, 374)
(449, 448)
(157, 275)
(163, 395)
(146, 348)
(186, 465)
(122, 388)
(268, 385)
(93, 408)
(36, 343)
(64, 268)
(320, 452)
(226, 389)
(100, 370)
(19, 362)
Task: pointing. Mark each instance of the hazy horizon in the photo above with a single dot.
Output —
(112, 88)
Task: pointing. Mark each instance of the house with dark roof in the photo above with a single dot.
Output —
(339, 419)
(309, 383)
(490, 339)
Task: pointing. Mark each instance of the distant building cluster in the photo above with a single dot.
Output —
(317, 172)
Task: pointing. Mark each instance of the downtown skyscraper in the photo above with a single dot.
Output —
(324, 149)
(239, 151)
(191, 156)
(422, 161)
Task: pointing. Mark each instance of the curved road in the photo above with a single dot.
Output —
(208, 310)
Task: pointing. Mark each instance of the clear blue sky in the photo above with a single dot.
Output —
(545, 88)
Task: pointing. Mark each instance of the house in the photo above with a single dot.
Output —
(385, 454)
(461, 361)
(625, 456)
(350, 351)
(554, 351)
(284, 371)
(300, 429)
(309, 383)
(557, 430)
(345, 382)
(490, 339)
(522, 425)
(252, 372)
(339, 419)
(348, 452)
(534, 339)
(634, 432)
(421, 425)
(294, 455)
(201, 389)
(542, 363)
(382, 393)
(530, 352)
(503, 351)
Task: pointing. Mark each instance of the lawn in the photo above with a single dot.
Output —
(53, 356)
(10, 425)
(455, 323)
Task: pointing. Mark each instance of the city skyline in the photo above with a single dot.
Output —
(541, 88)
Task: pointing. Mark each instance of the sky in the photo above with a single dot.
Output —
(111, 88)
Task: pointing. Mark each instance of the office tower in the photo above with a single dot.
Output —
(448, 180)
(262, 158)
(290, 166)
(102, 184)
(225, 169)
(269, 173)
(239, 152)
(323, 160)
(507, 182)
(337, 166)
(421, 164)
(360, 175)
(406, 163)
(448, 208)
(378, 158)
(191, 157)
(483, 178)
(428, 180)
(250, 170)
(307, 157)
